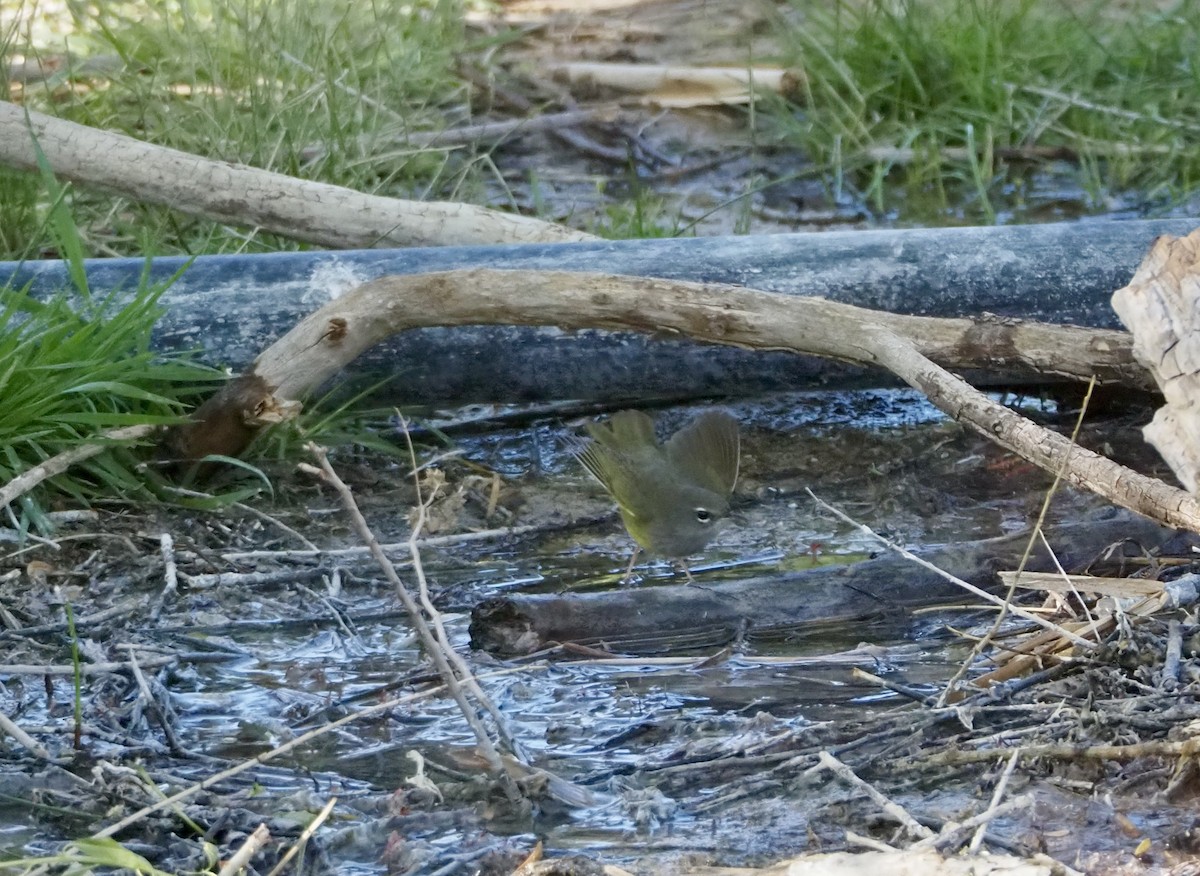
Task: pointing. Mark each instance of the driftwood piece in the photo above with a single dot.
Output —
(634, 619)
(318, 213)
(321, 344)
(1161, 307)
(678, 86)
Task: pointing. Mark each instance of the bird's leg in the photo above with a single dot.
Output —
(625, 579)
(686, 571)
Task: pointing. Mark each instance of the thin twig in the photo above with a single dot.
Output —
(166, 546)
(1006, 605)
(10, 727)
(1174, 654)
(391, 547)
(1151, 748)
(152, 704)
(246, 580)
(856, 839)
(84, 669)
(948, 836)
(435, 616)
(892, 808)
(966, 585)
(240, 859)
(428, 640)
(997, 796)
(56, 465)
(305, 836)
(1083, 103)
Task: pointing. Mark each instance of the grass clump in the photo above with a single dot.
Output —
(72, 368)
(932, 94)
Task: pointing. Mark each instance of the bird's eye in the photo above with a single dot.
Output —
(703, 515)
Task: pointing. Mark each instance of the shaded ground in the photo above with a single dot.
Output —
(681, 764)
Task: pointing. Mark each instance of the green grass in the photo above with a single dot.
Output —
(75, 366)
(322, 89)
(329, 90)
(72, 368)
(1116, 86)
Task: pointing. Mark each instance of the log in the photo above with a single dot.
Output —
(232, 307)
(640, 620)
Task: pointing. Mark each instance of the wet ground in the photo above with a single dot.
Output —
(673, 761)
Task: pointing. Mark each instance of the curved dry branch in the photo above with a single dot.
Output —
(325, 341)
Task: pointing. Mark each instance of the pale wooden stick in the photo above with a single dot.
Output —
(997, 796)
(328, 215)
(433, 648)
(56, 465)
(306, 834)
(240, 859)
(892, 808)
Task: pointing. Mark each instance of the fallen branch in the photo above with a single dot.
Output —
(56, 465)
(679, 86)
(653, 619)
(318, 213)
(323, 343)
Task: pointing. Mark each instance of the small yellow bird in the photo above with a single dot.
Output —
(672, 495)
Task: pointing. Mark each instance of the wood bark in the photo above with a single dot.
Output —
(334, 335)
(652, 618)
(1161, 307)
(318, 213)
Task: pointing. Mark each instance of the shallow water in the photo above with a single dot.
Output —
(638, 734)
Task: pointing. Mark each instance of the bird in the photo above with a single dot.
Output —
(671, 496)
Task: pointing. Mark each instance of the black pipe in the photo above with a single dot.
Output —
(232, 306)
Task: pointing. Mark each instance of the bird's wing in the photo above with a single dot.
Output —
(708, 448)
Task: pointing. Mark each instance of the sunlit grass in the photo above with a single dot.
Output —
(321, 89)
(955, 83)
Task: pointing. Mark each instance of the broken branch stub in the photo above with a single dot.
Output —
(1161, 307)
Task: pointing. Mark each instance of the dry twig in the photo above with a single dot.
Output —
(966, 585)
(434, 648)
(828, 762)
